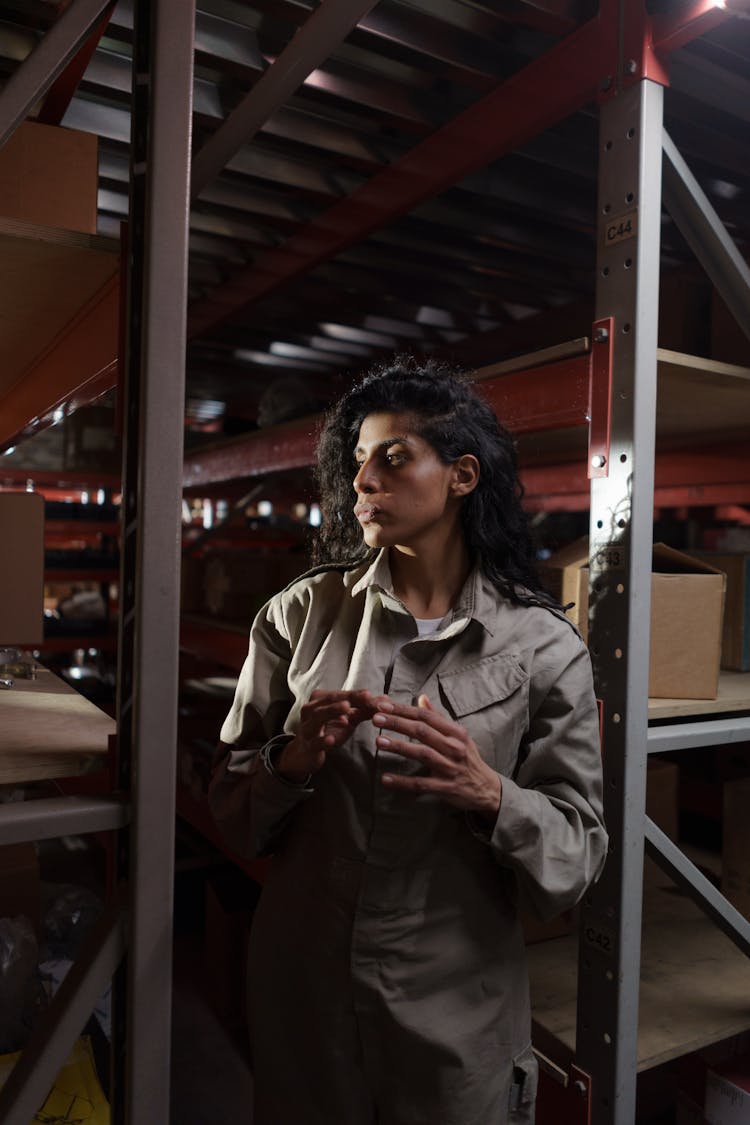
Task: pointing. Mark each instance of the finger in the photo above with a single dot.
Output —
(439, 787)
(423, 701)
(449, 738)
(427, 756)
(400, 712)
(313, 717)
(335, 696)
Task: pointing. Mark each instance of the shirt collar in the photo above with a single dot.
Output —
(478, 601)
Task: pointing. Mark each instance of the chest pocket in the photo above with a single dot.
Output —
(490, 699)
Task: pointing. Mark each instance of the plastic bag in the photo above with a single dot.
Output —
(21, 995)
(68, 914)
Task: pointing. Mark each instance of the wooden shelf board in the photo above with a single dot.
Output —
(734, 696)
(49, 730)
(695, 984)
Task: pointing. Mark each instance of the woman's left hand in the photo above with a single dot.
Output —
(457, 772)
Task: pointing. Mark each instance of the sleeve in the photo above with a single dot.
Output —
(550, 828)
(250, 802)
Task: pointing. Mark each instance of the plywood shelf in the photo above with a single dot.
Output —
(695, 984)
(49, 730)
(733, 698)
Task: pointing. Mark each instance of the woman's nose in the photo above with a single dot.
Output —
(365, 480)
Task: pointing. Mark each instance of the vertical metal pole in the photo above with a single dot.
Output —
(620, 593)
(152, 493)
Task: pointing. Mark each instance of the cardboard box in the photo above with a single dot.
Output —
(21, 568)
(50, 176)
(735, 638)
(728, 1094)
(735, 876)
(566, 575)
(687, 608)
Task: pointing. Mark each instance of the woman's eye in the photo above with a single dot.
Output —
(395, 458)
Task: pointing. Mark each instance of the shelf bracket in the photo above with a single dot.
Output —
(600, 396)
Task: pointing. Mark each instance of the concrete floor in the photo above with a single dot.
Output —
(211, 1079)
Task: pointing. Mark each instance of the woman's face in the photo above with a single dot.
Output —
(406, 496)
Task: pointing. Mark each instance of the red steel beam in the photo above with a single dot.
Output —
(554, 396)
(288, 446)
(702, 477)
(60, 94)
(671, 31)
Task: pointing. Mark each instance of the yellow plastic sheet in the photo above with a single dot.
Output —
(76, 1098)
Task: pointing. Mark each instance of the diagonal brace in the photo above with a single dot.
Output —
(33, 78)
(322, 32)
(702, 891)
(705, 233)
(51, 1042)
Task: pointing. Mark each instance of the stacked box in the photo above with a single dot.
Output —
(687, 611)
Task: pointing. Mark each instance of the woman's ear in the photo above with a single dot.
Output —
(465, 475)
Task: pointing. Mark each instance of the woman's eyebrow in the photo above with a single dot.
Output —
(385, 444)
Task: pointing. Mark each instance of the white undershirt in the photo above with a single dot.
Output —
(427, 625)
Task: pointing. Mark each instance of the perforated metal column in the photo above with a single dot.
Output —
(154, 412)
(629, 206)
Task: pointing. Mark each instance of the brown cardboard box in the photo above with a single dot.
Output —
(49, 176)
(19, 882)
(687, 606)
(735, 639)
(735, 860)
(566, 576)
(21, 568)
(662, 795)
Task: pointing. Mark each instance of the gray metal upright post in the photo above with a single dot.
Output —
(152, 493)
(629, 205)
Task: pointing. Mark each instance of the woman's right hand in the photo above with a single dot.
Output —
(325, 724)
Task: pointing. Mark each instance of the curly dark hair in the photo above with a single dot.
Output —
(448, 413)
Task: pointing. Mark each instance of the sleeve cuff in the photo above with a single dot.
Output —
(268, 755)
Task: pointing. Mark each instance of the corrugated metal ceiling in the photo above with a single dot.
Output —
(466, 273)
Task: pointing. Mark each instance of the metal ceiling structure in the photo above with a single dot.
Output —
(409, 175)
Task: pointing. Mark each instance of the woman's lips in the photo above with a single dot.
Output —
(366, 513)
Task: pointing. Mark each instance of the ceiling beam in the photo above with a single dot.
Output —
(34, 77)
(539, 95)
(321, 33)
(60, 94)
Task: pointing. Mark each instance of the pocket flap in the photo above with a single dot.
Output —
(479, 685)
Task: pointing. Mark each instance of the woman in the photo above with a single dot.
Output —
(415, 739)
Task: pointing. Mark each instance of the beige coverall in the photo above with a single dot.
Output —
(387, 976)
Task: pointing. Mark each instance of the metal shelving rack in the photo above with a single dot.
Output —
(133, 941)
(617, 57)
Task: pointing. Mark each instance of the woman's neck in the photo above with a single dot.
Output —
(429, 584)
